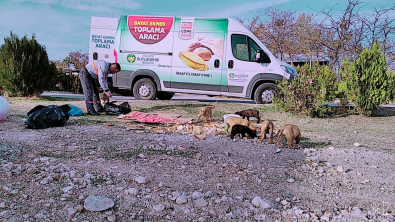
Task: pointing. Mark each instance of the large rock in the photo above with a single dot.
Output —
(131, 191)
(141, 180)
(158, 207)
(357, 213)
(182, 199)
(258, 202)
(201, 202)
(98, 203)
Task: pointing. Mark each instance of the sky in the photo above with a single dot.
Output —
(63, 26)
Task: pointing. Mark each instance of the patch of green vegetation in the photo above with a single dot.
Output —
(113, 154)
(290, 176)
(122, 155)
(389, 150)
(39, 99)
(218, 113)
(97, 181)
(271, 108)
(305, 142)
(58, 155)
(19, 115)
(89, 120)
(60, 99)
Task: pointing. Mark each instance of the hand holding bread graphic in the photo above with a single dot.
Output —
(202, 50)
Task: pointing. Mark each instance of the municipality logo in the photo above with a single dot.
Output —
(231, 75)
(131, 58)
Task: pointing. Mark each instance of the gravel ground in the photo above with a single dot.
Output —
(52, 174)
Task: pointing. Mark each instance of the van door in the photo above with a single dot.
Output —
(199, 55)
(241, 65)
(101, 38)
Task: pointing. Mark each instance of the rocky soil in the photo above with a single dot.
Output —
(95, 169)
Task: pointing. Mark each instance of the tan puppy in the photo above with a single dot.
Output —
(233, 120)
(104, 98)
(206, 112)
(267, 127)
(290, 132)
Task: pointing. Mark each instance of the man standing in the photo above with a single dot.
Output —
(96, 69)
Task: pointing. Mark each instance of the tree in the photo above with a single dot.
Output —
(365, 81)
(338, 36)
(274, 27)
(24, 66)
(66, 80)
(345, 35)
(381, 27)
(307, 36)
(340, 31)
(75, 60)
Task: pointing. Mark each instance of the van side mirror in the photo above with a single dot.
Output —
(95, 56)
(261, 57)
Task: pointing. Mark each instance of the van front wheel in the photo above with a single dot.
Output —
(144, 89)
(265, 93)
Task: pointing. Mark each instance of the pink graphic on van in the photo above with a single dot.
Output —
(149, 30)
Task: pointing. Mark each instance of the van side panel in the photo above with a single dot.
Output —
(199, 55)
(145, 43)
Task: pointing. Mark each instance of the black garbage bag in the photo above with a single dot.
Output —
(41, 117)
(113, 109)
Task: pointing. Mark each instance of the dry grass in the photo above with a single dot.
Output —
(341, 132)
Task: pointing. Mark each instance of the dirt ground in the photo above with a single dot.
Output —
(48, 174)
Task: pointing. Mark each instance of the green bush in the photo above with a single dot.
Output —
(391, 83)
(365, 82)
(308, 93)
(24, 67)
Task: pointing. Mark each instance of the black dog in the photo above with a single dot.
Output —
(242, 130)
(249, 113)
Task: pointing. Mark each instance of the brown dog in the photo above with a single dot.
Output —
(104, 98)
(267, 127)
(249, 113)
(206, 112)
(233, 120)
(290, 132)
(242, 130)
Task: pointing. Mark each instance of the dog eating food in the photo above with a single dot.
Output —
(249, 113)
(290, 132)
(104, 98)
(242, 130)
(267, 127)
(206, 112)
(233, 120)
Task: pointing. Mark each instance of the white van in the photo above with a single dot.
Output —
(160, 56)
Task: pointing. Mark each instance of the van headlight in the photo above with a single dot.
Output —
(289, 71)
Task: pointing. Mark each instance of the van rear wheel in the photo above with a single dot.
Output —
(164, 95)
(144, 89)
(265, 93)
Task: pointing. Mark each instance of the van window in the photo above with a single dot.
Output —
(244, 48)
(240, 47)
(253, 48)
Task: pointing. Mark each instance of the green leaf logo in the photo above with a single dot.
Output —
(131, 58)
